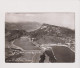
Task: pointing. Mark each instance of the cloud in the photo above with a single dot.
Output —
(59, 19)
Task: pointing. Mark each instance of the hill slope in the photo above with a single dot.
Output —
(51, 33)
(27, 26)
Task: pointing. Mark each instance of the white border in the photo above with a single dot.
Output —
(38, 6)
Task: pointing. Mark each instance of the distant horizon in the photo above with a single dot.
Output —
(41, 24)
(52, 18)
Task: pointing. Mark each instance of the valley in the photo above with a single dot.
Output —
(46, 41)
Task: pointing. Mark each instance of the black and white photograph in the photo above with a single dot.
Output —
(39, 37)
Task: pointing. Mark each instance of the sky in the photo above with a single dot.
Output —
(63, 19)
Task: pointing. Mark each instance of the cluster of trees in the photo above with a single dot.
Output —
(14, 34)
